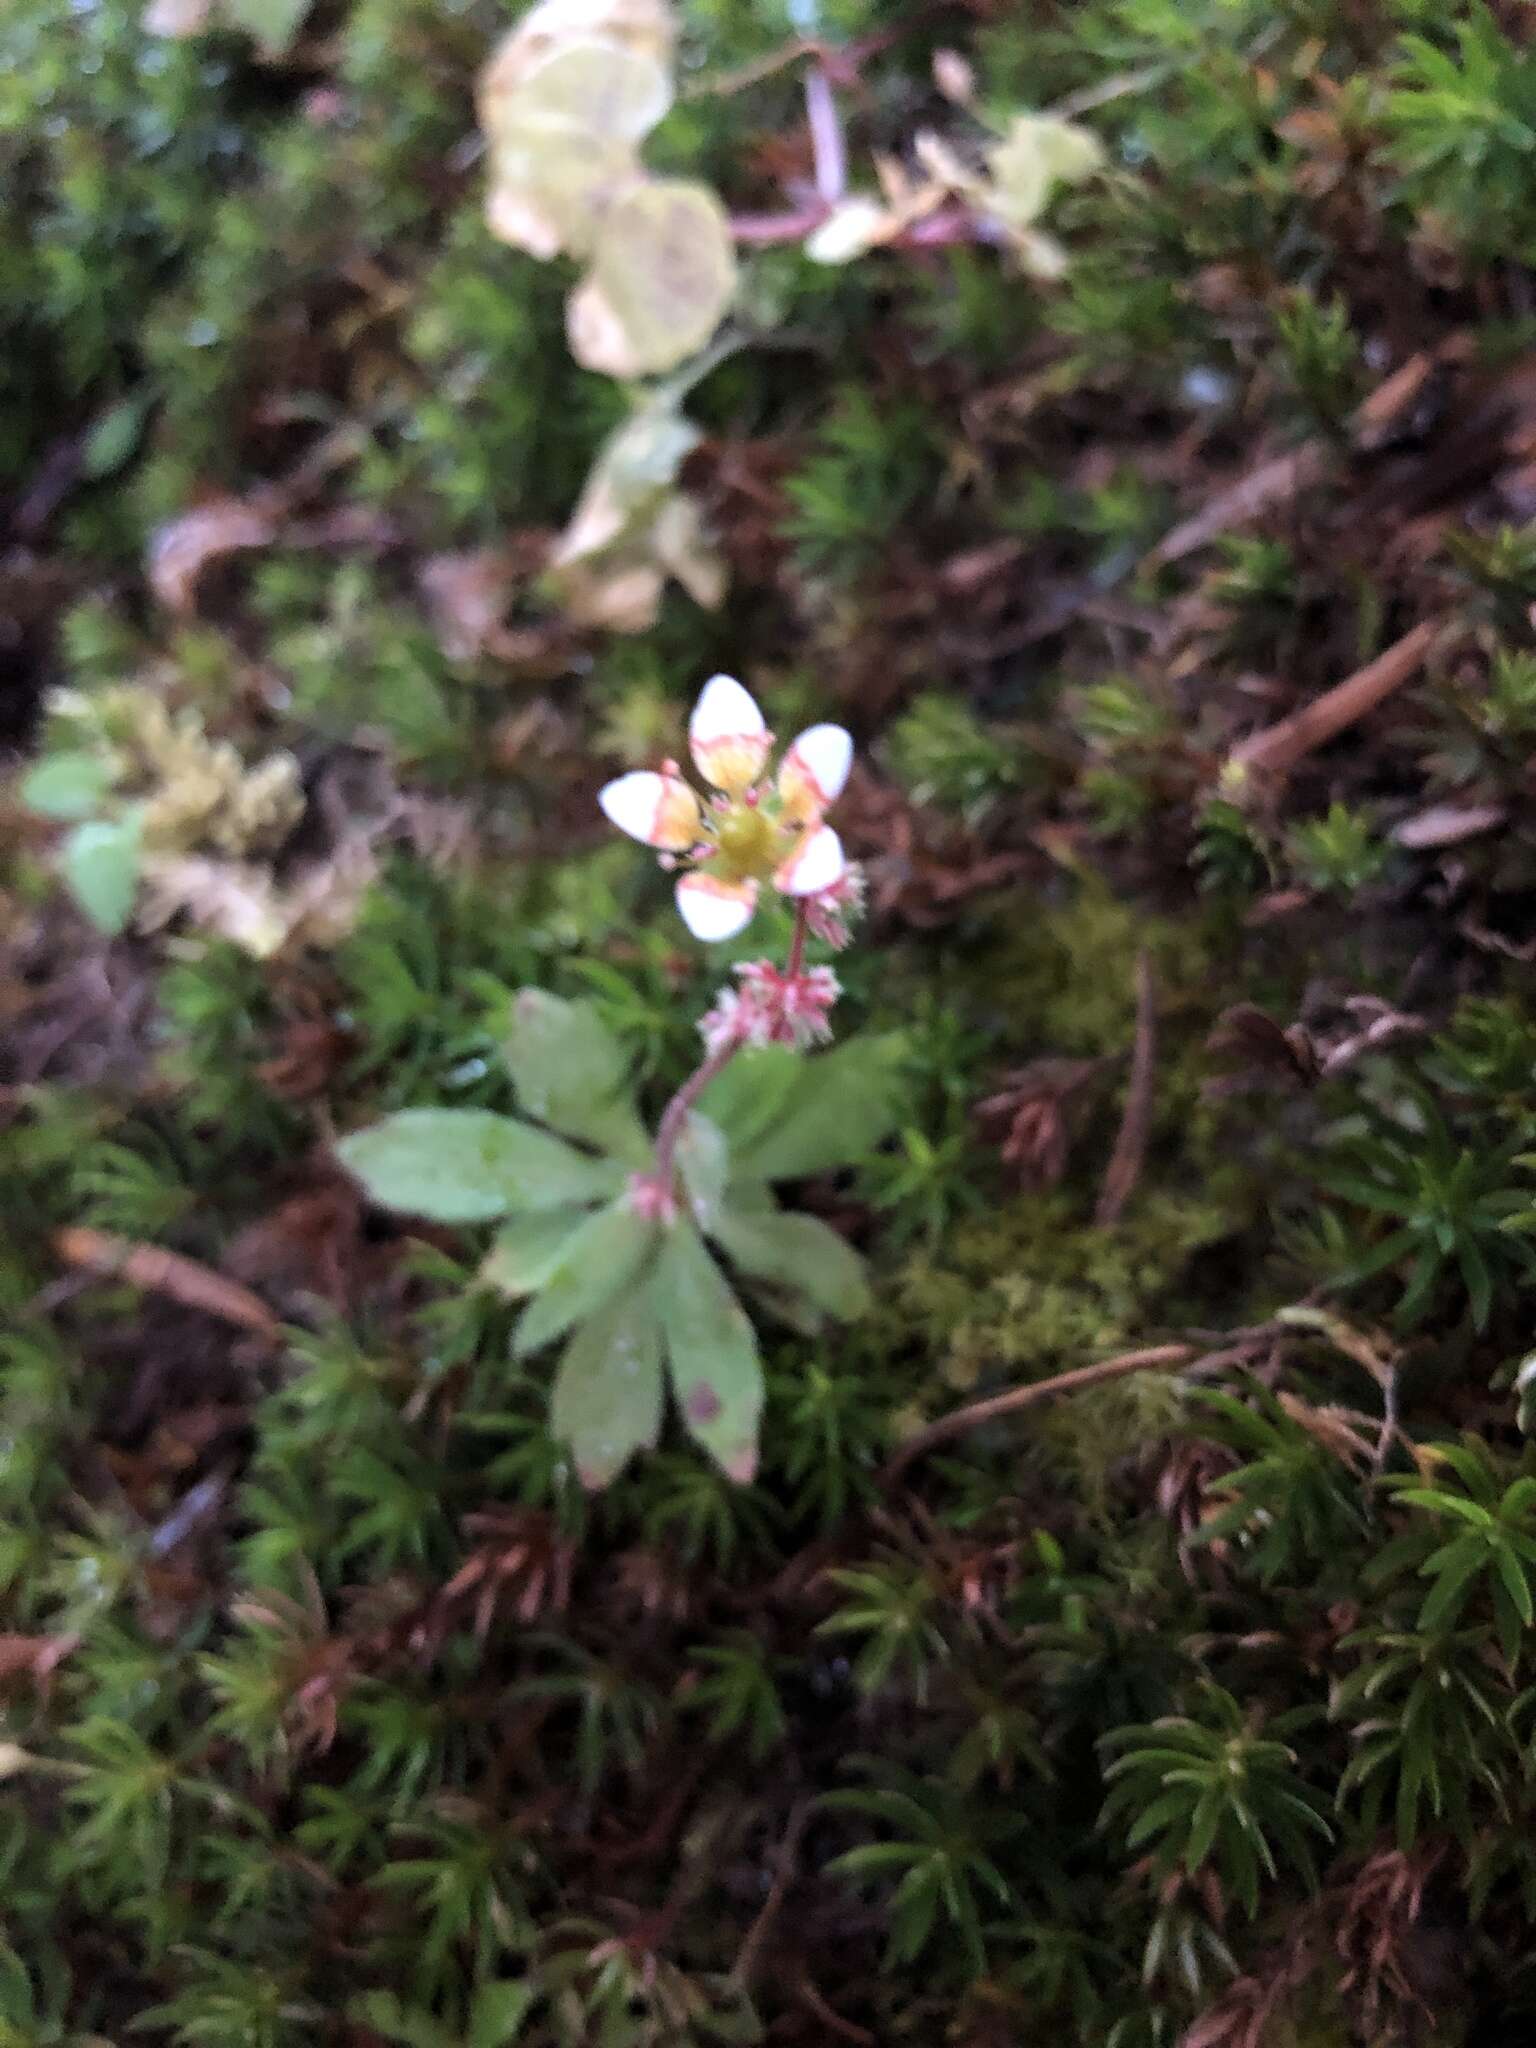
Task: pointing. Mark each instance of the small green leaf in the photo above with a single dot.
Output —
(606, 1402)
(114, 437)
(570, 1073)
(273, 23)
(527, 1250)
(843, 1104)
(799, 1253)
(717, 1375)
(100, 861)
(599, 1261)
(497, 2015)
(467, 1165)
(383, 2013)
(68, 785)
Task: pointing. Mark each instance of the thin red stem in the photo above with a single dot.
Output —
(675, 1115)
(796, 964)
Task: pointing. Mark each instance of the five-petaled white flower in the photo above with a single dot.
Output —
(750, 832)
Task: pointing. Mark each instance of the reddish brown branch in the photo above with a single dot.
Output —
(146, 1266)
(1018, 1398)
(1125, 1162)
(1277, 749)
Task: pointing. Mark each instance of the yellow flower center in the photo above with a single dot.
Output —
(750, 843)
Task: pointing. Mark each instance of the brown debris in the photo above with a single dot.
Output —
(1448, 825)
(1271, 485)
(1014, 1399)
(155, 1271)
(1125, 1163)
(1278, 748)
(1259, 1050)
(1027, 1117)
(35, 1658)
(185, 546)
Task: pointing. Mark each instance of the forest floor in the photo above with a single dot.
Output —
(1182, 609)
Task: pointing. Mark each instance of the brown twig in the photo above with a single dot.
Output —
(1125, 1162)
(783, 1876)
(1277, 749)
(1273, 483)
(1015, 1399)
(1286, 476)
(146, 1266)
(834, 2020)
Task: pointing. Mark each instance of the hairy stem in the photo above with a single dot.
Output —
(795, 966)
(675, 1115)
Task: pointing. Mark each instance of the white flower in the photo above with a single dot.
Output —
(751, 831)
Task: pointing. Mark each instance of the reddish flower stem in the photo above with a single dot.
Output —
(796, 964)
(675, 1115)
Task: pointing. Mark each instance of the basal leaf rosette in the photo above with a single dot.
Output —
(636, 1294)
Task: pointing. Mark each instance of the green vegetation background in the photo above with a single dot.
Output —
(1182, 1709)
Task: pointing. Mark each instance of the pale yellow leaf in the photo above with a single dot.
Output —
(645, 27)
(1038, 153)
(663, 273)
(599, 88)
(550, 184)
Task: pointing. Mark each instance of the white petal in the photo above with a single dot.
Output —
(728, 735)
(633, 803)
(814, 866)
(816, 767)
(725, 711)
(658, 810)
(715, 910)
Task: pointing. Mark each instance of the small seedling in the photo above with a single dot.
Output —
(606, 1232)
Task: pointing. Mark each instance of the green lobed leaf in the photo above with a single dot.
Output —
(273, 23)
(570, 1072)
(468, 1165)
(841, 1107)
(599, 1261)
(115, 436)
(527, 1250)
(100, 861)
(606, 1402)
(69, 785)
(712, 1354)
(749, 1095)
(800, 1253)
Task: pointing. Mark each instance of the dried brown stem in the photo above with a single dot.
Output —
(1125, 1162)
(963, 1420)
(783, 1876)
(1276, 750)
(146, 1266)
(1274, 483)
